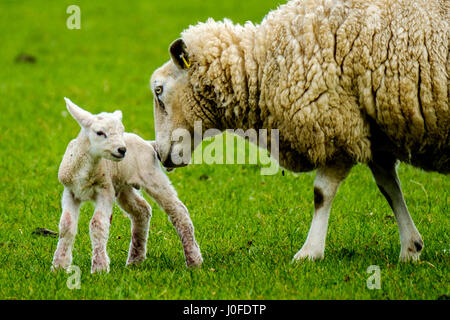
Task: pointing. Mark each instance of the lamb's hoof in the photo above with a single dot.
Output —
(60, 264)
(411, 251)
(303, 255)
(56, 268)
(195, 261)
(99, 269)
(100, 265)
(135, 261)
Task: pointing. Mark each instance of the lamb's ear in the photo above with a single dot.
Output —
(180, 55)
(83, 117)
(118, 114)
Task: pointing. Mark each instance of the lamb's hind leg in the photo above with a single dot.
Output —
(67, 231)
(140, 213)
(158, 186)
(385, 174)
(326, 185)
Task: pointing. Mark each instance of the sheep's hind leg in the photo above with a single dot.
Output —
(99, 232)
(385, 174)
(158, 186)
(67, 231)
(140, 214)
(326, 184)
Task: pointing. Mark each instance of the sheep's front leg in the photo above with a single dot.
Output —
(99, 232)
(385, 174)
(158, 186)
(326, 185)
(140, 213)
(67, 231)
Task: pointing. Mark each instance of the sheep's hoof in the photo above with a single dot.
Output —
(303, 255)
(411, 252)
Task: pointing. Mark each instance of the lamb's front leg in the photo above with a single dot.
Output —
(158, 186)
(326, 185)
(99, 232)
(67, 231)
(385, 174)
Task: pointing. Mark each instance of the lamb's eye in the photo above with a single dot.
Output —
(101, 133)
(159, 90)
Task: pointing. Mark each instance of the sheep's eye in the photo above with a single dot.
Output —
(101, 133)
(158, 90)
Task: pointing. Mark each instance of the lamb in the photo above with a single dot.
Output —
(344, 81)
(103, 164)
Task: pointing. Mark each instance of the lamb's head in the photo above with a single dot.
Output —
(105, 131)
(170, 87)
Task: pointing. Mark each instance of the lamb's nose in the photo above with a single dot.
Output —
(122, 151)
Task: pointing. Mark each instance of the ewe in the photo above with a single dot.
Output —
(344, 81)
(104, 163)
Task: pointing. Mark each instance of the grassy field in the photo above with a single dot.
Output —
(248, 226)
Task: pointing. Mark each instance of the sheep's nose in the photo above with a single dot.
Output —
(122, 151)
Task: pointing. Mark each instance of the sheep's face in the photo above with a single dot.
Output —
(105, 132)
(168, 84)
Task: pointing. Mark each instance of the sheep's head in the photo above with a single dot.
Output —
(105, 131)
(169, 85)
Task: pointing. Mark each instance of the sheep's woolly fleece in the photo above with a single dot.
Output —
(325, 73)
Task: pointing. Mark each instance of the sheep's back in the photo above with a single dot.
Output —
(404, 61)
(328, 66)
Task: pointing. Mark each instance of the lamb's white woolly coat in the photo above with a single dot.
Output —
(89, 173)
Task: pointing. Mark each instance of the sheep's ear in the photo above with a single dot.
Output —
(83, 117)
(118, 114)
(180, 55)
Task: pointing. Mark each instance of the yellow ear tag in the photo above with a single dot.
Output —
(186, 63)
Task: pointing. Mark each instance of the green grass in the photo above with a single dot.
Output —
(248, 226)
